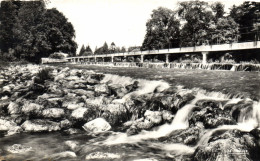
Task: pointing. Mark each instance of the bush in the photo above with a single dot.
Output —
(43, 75)
(57, 56)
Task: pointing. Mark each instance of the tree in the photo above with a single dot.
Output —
(226, 30)
(218, 10)
(82, 50)
(162, 30)
(33, 31)
(88, 51)
(247, 16)
(105, 48)
(197, 17)
(123, 49)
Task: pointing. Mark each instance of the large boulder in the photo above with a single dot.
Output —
(96, 126)
(189, 136)
(228, 145)
(38, 125)
(115, 114)
(210, 113)
(82, 115)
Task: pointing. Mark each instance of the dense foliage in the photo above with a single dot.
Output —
(109, 50)
(30, 31)
(84, 51)
(198, 22)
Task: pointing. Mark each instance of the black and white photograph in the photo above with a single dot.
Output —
(129, 80)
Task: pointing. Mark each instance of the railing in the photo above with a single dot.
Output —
(222, 47)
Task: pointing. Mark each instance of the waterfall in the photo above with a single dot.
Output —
(180, 122)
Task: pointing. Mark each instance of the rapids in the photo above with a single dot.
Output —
(118, 145)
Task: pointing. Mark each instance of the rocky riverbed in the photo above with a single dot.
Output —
(121, 113)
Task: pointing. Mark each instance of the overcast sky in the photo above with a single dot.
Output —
(119, 21)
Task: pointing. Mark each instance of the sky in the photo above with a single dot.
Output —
(119, 21)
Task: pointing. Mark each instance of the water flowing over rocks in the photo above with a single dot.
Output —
(100, 155)
(210, 126)
(18, 148)
(229, 145)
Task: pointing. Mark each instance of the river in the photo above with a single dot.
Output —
(230, 87)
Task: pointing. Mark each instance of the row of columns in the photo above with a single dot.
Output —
(204, 58)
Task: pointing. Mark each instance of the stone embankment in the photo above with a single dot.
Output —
(45, 99)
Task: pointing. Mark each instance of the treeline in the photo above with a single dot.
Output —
(105, 49)
(29, 31)
(197, 23)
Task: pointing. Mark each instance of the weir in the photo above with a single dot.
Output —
(203, 49)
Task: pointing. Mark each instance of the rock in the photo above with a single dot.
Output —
(82, 92)
(139, 125)
(79, 113)
(228, 145)
(14, 130)
(96, 126)
(118, 90)
(71, 131)
(7, 90)
(182, 99)
(97, 76)
(101, 155)
(74, 106)
(72, 78)
(18, 148)
(31, 109)
(38, 125)
(65, 154)
(167, 116)
(6, 125)
(50, 100)
(60, 76)
(13, 108)
(53, 113)
(115, 114)
(101, 88)
(256, 133)
(73, 145)
(132, 87)
(154, 117)
(96, 101)
(3, 106)
(65, 124)
(211, 115)
(188, 136)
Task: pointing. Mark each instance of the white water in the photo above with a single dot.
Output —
(145, 86)
(180, 122)
(247, 122)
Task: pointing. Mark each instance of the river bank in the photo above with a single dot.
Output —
(87, 115)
